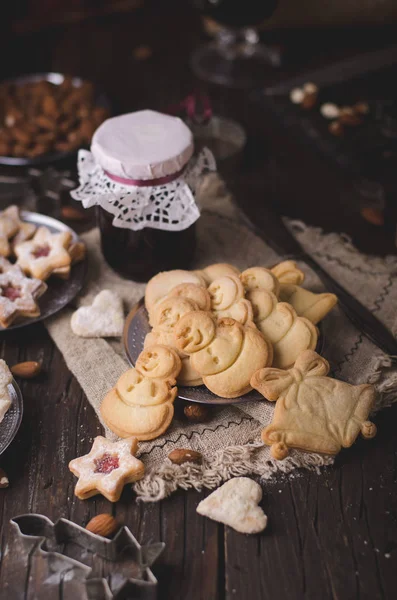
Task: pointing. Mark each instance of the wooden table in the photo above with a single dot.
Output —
(331, 535)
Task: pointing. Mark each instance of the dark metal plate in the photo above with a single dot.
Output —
(13, 417)
(60, 292)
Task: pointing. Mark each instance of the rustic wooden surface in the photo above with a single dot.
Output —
(331, 535)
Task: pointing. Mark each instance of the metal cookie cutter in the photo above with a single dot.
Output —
(64, 556)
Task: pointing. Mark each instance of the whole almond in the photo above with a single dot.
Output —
(182, 455)
(336, 128)
(4, 483)
(196, 412)
(26, 370)
(104, 525)
(70, 213)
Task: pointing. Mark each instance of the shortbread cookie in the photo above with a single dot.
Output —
(141, 404)
(77, 252)
(289, 334)
(5, 380)
(45, 253)
(196, 293)
(166, 314)
(217, 270)
(104, 318)
(235, 504)
(161, 284)
(164, 339)
(225, 353)
(9, 226)
(307, 304)
(107, 468)
(288, 272)
(188, 376)
(18, 294)
(260, 278)
(227, 299)
(313, 412)
(25, 232)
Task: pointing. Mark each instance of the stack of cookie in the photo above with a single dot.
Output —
(39, 254)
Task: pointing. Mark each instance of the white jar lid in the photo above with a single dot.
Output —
(142, 145)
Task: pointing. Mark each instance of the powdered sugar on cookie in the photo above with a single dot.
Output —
(104, 318)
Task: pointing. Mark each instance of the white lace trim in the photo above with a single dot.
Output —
(170, 207)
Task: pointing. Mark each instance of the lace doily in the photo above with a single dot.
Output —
(169, 207)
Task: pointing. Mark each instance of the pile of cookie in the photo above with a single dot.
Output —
(233, 332)
(39, 254)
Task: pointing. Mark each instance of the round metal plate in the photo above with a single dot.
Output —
(50, 157)
(135, 330)
(60, 291)
(13, 417)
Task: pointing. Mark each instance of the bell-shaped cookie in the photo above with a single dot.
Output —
(307, 304)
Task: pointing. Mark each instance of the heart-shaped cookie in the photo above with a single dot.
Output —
(235, 504)
(104, 318)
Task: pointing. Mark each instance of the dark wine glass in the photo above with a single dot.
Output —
(236, 57)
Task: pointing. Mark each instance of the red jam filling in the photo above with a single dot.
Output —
(10, 292)
(106, 464)
(41, 251)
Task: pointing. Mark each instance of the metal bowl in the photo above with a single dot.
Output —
(50, 157)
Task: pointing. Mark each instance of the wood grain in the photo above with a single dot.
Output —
(332, 535)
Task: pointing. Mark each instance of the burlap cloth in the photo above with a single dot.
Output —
(230, 439)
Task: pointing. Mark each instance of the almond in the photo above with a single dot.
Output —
(70, 213)
(104, 525)
(196, 412)
(182, 455)
(4, 483)
(26, 370)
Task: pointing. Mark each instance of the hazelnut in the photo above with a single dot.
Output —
(196, 412)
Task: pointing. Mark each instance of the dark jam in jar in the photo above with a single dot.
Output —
(139, 255)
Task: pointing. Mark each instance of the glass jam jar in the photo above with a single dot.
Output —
(139, 255)
(141, 175)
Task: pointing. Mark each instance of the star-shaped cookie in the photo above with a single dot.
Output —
(107, 468)
(45, 253)
(18, 294)
(9, 226)
(5, 380)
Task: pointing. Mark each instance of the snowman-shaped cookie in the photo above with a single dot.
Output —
(289, 334)
(141, 404)
(224, 352)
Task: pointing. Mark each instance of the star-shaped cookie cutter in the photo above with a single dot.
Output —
(35, 537)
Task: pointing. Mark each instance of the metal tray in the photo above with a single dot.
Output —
(55, 78)
(13, 417)
(135, 330)
(60, 292)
